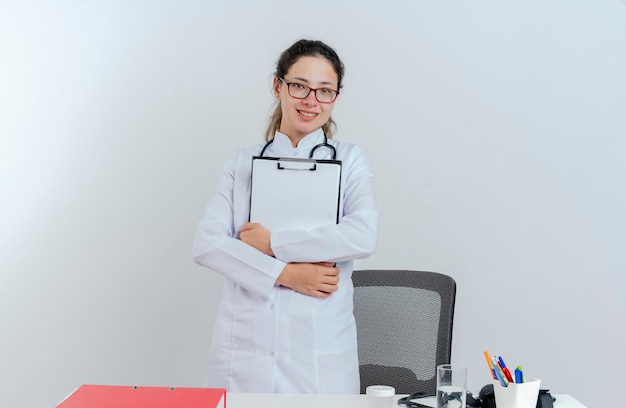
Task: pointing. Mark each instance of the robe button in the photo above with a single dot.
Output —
(271, 354)
(271, 306)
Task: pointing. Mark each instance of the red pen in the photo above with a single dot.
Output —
(505, 370)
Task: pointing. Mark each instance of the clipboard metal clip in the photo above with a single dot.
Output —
(296, 164)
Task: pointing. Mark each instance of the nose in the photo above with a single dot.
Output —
(310, 99)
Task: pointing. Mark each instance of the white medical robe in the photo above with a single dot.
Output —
(269, 338)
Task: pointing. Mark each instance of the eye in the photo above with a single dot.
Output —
(297, 86)
(327, 91)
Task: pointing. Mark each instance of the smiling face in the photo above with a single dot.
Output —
(303, 116)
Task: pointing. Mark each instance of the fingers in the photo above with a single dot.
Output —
(329, 282)
(310, 279)
(326, 292)
(329, 270)
(323, 287)
(248, 226)
(257, 236)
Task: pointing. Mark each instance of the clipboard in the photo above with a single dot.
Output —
(292, 193)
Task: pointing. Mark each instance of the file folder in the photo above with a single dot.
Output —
(291, 193)
(120, 396)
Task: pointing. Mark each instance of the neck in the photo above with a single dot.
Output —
(296, 138)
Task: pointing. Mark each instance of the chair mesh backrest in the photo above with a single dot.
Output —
(404, 327)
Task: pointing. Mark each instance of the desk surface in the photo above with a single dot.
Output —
(245, 400)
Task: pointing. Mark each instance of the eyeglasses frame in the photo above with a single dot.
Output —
(314, 90)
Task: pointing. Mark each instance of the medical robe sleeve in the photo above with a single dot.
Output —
(216, 245)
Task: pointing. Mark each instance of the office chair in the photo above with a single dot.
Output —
(404, 327)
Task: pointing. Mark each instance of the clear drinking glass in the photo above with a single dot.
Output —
(451, 386)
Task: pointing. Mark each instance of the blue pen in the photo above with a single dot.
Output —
(505, 370)
(501, 362)
(519, 375)
(499, 373)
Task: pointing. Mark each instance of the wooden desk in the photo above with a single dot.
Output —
(245, 400)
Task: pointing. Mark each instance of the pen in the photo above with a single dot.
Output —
(519, 375)
(499, 373)
(493, 371)
(505, 370)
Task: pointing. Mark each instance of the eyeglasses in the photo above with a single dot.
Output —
(300, 91)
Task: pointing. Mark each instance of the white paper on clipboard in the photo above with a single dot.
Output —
(289, 193)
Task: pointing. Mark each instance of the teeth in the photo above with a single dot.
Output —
(307, 114)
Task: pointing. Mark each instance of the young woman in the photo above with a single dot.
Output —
(285, 322)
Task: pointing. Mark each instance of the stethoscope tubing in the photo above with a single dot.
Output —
(325, 144)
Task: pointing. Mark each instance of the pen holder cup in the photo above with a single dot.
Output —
(522, 395)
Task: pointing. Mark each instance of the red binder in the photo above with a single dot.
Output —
(120, 396)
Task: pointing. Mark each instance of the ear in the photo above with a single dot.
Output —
(276, 87)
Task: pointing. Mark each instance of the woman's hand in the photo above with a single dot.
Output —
(313, 279)
(257, 236)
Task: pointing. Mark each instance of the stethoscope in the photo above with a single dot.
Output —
(325, 144)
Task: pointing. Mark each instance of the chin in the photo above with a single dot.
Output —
(312, 127)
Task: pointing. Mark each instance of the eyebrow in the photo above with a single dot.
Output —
(325, 83)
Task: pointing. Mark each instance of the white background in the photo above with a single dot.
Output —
(496, 130)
